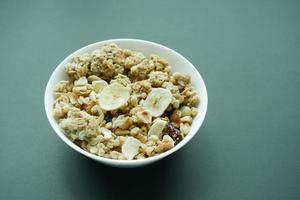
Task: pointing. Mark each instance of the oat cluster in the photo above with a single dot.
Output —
(120, 104)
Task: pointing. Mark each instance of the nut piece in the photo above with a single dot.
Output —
(166, 144)
(134, 131)
(123, 122)
(130, 148)
(80, 82)
(121, 132)
(186, 119)
(175, 118)
(194, 112)
(153, 138)
(93, 78)
(185, 128)
(185, 111)
(106, 133)
(157, 127)
(144, 117)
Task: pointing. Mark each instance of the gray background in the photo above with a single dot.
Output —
(248, 55)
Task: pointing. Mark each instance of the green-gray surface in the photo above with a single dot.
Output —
(248, 55)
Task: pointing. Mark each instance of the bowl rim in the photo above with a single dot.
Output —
(62, 136)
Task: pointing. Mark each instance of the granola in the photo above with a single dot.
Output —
(120, 104)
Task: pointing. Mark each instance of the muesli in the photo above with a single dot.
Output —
(120, 104)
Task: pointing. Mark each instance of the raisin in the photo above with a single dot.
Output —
(108, 117)
(174, 133)
(167, 114)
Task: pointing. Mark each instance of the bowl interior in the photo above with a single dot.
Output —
(178, 64)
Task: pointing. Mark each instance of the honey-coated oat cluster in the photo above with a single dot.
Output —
(119, 104)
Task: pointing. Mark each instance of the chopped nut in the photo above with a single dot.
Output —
(93, 150)
(115, 154)
(108, 125)
(122, 132)
(123, 122)
(153, 138)
(96, 140)
(166, 144)
(134, 100)
(175, 118)
(186, 119)
(93, 78)
(131, 147)
(100, 152)
(149, 150)
(141, 137)
(81, 90)
(81, 82)
(135, 131)
(185, 128)
(157, 127)
(106, 133)
(144, 117)
(92, 96)
(185, 111)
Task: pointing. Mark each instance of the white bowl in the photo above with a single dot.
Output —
(177, 62)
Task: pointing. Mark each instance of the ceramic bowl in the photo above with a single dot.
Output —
(178, 63)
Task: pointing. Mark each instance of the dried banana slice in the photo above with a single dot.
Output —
(157, 101)
(113, 96)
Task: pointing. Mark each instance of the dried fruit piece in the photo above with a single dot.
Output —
(131, 147)
(113, 96)
(174, 133)
(108, 117)
(157, 101)
(99, 85)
